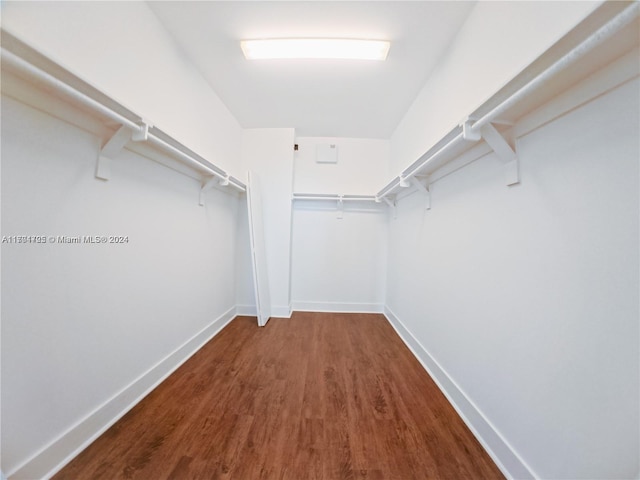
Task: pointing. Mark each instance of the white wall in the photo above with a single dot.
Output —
(122, 49)
(361, 169)
(525, 299)
(340, 264)
(86, 329)
(269, 153)
(497, 41)
(90, 328)
(335, 264)
(245, 289)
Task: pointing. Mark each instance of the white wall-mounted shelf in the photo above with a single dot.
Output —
(334, 197)
(125, 127)
(556, 70)
(337, 198)
(590, 46)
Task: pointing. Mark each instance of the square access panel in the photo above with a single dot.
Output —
(327, 153)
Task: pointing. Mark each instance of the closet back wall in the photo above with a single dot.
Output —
(340, 264)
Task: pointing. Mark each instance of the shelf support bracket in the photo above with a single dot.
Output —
(110, 149)
(225, 181)
(206, 185)
(504, 152)
(340, 208)
(391, 205)
(424, 187)
(468, 133)
(141, 135)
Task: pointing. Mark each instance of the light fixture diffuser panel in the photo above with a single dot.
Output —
(315, 48)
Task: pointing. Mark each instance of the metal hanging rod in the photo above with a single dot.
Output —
(476, 130)
(133, 122)
(20, 65)
(617, 23)
(339, 199)
(225, 179)
(402, 180)
(333, 197)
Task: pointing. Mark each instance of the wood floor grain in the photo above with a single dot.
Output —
(317, 396)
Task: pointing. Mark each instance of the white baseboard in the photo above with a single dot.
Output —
(338, 307)
(62, 450)
(281, 311)
(247, 310)
(252, 311)
(509, 462)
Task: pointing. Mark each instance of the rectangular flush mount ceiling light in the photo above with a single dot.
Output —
(328, 48)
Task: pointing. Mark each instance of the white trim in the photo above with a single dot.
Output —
(505, 457)
(50, 459)
(338, 307)
(252, 311)
(247, 310)
(281, 311)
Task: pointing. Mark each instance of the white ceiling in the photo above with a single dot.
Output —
(318, 97)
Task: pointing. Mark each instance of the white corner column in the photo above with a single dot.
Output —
(269, 153)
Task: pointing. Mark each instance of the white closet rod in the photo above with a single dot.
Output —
(617, 23)
(403, 179)
(22, 66)
(187, 158)
(605, 32)
(333, 197)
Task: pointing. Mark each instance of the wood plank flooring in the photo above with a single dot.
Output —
(317, 396)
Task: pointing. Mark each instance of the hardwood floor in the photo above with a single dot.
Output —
(317, 396)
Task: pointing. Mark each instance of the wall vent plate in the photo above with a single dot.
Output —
(327, 153)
